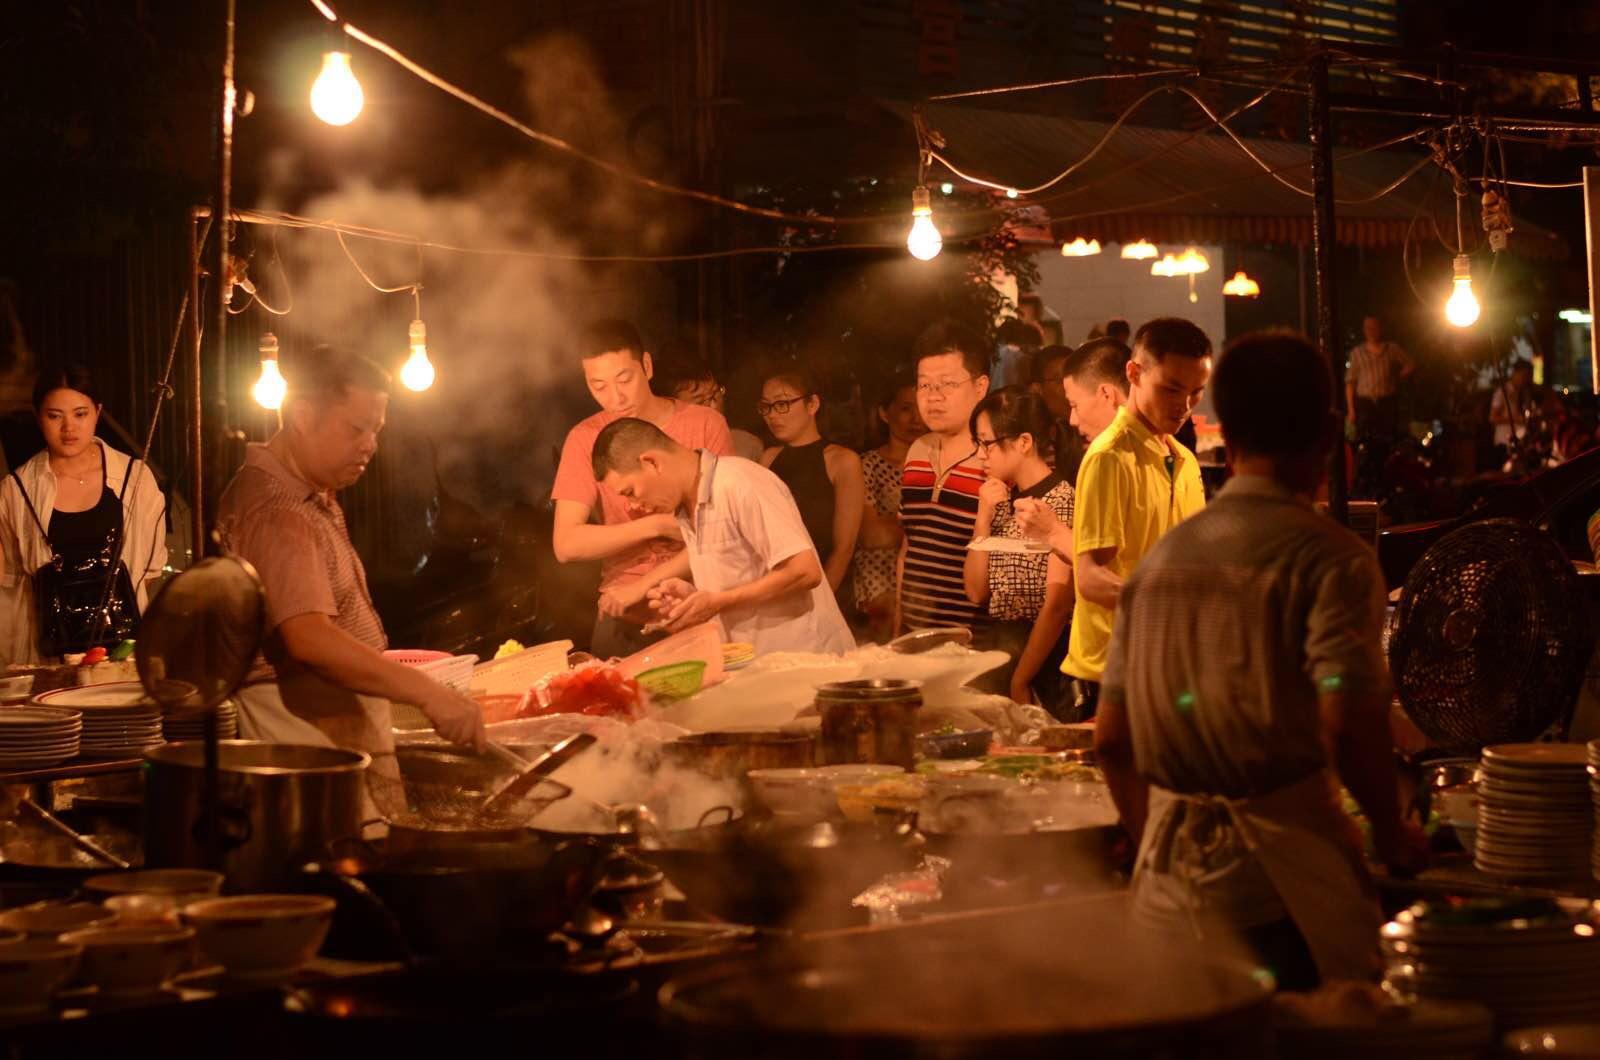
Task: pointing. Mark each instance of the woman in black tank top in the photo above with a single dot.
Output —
(825, 479)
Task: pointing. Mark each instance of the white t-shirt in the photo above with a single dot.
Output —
(744, 524)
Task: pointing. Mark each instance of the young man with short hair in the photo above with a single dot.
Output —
(1094, 381)
(940, 482)
(691, 380)
(1136, 483)
(635, 553)
(755, 568)
(1245, 670)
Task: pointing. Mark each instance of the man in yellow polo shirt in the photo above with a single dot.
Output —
(1136, 483)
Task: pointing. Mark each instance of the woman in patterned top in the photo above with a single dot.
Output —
(879, 542)
(1029, 593)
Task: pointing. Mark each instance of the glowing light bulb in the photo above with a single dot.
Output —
(1139, 251)
(269, 390)
(924, 240)
(947, 188)
(336, 95)
(1241, 286)
(1080, 248)
(417, 373)
(1011, 193)
(1462, 308)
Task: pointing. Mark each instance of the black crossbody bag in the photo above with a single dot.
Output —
(72, 599)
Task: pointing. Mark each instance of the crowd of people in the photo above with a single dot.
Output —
(1229, 654)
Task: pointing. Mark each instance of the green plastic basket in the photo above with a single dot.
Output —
(673, 681)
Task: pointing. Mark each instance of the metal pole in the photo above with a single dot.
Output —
(197, 522)
(1322, 243)
(221, 223)
(1591, 218)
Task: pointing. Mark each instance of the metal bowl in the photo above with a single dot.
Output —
(972, 743)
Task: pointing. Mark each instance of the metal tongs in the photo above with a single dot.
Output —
(529, 774)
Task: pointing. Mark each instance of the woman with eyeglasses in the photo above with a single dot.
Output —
(825, 479)
(1029, 593)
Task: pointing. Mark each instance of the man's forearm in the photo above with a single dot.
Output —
(676, 567)
(591, 541)
(340, 659)
(1098, 583)
(776, 583)
(1357, 738)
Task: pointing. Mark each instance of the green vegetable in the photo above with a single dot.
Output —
(122, 651)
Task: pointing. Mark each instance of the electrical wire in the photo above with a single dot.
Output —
(287, 220)
(1529, 183)
(1111, 131)
(415, 68)
(374, 284)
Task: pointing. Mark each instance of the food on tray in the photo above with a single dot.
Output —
(594, 688)
(1040, 767)
(858, 802)
(510, 647)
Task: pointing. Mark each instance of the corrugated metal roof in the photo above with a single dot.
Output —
(1171, 186)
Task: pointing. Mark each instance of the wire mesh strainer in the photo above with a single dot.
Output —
(446, 791)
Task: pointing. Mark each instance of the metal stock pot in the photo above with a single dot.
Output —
(281, 804)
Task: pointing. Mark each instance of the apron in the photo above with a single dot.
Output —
(1297, 837)
(324, 715)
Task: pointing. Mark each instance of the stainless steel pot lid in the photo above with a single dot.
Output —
(200, 634)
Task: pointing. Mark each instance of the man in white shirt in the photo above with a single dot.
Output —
(755, 568)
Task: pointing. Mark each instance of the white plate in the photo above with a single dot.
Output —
(1536, 754)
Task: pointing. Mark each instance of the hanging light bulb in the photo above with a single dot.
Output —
(336, 95)
(417, 373)
(1462, 307)
(1080, 248)
(269, 390)
(1169, 265)
(924, 240)
(947, 188)
(1241, 286)
(1192, 262)
(1139, 251)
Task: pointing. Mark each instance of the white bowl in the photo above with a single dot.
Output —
(46, 920)
(132, 961)
(147, 909)
(1565, 1040)
(185, 885)
(12, 688)
(794, 794)
(261, 937)
(31, 971)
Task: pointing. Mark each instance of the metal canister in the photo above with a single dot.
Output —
(280, 806)
(869, 721)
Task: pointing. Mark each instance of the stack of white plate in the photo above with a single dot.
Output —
(37, 737)
(1594, 795)
(119, 720)
(191, 724)
(1527, 960)
(1535, 811)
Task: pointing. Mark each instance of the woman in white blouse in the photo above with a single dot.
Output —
(66, 504)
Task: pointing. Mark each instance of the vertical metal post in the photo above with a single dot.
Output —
(221, 219)
(1591, 218)
(197, 522)
(1320, 132)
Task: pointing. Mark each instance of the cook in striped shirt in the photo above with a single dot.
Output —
(940, 482)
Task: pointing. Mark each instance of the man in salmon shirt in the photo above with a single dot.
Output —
(591, 521)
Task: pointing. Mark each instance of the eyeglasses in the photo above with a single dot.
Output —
(781, 407)
(987, 444)
(706, 398)
(944, 387)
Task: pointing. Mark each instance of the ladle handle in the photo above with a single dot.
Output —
(84, 844)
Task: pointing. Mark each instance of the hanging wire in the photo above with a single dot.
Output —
(374, 284)
(559, 144)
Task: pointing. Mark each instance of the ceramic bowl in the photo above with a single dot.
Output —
(147, 909)
(187, 885)
(131, 961)
(31, 971)
(46, 920)
(794, 793)
(261, 937)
